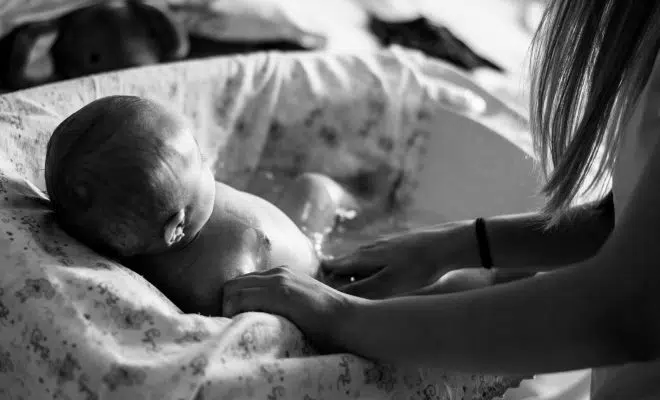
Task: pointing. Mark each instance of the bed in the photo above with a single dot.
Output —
(82, 327)
(79, 326)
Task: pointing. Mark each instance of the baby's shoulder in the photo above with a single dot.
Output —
(216, 251)
(230, 234)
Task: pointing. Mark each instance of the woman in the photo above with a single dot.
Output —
(595, 110)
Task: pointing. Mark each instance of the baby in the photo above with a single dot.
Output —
(126, 177)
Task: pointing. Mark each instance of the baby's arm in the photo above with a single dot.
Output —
(460, 280)
(313, 202)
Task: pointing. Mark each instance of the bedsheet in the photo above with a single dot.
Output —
(78, 326)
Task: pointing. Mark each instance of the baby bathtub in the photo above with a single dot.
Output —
(76, 325)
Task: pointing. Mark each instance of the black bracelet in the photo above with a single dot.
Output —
(482, 242)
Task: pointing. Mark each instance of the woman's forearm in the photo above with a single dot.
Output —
(567, 319)
(522, 242)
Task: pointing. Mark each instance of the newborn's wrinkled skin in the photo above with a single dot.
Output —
(198, 233)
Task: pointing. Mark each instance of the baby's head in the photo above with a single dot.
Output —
(126, 177)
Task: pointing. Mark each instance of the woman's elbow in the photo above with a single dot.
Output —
(648, 335)
(640, 327)
(630, 290)
(637, 348)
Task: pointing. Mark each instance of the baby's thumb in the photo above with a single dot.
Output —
(435, 288)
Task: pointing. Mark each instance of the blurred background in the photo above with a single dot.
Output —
(48, 40)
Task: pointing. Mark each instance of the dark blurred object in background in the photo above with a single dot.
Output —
(430, 38)
(119, 34)
(104, 37)
(201, 47)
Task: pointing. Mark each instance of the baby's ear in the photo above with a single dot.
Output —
(173, 232)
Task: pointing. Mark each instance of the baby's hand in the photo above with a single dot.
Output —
(457, 281)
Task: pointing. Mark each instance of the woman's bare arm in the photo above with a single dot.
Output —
(520, 245)
(603, 310)
(522, 242)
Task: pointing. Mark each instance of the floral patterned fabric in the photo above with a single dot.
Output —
(77, 326)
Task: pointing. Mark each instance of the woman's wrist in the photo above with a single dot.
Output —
(348, 317)
(458, 243)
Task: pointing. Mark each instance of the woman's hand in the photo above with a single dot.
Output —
(318, 310)
(403, 263)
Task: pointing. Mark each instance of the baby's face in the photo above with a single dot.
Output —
(197, 184)
(135, 162)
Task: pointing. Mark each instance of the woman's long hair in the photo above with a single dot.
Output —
(591, 60)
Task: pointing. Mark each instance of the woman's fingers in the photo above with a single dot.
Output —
(252, 279)
(250, 292)
(267, 296)
(358, 263)
(242, 300)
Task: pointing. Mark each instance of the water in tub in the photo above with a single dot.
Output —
(352, 226)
